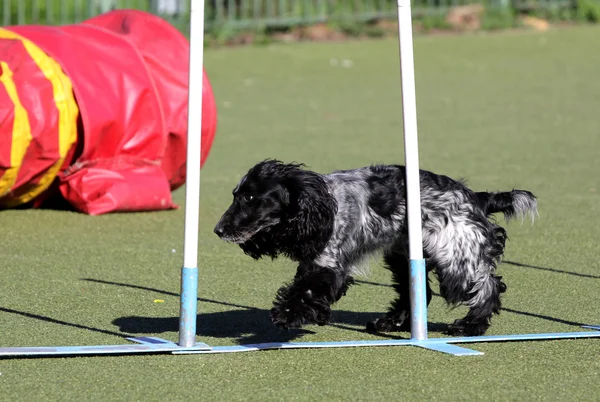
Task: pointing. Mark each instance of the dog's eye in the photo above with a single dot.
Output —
(248, 197)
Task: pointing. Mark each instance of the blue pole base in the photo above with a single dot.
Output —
(418, 300)
(188, 307)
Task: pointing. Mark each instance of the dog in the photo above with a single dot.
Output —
(332, 223)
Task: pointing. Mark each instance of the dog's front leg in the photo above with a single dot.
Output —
(308, 299)
(398, 316)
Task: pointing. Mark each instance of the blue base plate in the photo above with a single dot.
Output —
(444, 345)
(158, 345)
(146, 345)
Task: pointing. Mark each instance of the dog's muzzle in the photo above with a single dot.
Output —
(223, 234)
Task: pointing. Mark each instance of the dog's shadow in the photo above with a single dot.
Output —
(243, 326)
(252, 325)
(248, 324)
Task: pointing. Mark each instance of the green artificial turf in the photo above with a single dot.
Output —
(503, 110)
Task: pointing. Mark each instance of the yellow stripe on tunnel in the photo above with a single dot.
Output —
(21, 131)
(68, 111)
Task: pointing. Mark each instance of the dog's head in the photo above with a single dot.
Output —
(279, 207)
(260, 201)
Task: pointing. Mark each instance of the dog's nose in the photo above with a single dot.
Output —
(219, 231)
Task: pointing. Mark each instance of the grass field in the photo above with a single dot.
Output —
(505, 110)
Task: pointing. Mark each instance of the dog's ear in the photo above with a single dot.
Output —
(315, 209)
(283, 194)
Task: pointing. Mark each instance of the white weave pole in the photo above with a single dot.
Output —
(418, 275)
(189, 271)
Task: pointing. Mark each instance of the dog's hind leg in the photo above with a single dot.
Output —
(308, 299)
(484, 302)
(469, 277)
(398, 316)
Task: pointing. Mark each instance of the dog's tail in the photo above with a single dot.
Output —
(515, 203)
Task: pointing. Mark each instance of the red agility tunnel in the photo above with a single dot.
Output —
(97, 112)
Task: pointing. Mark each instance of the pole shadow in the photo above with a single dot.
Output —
(61, 322)
(558, 271)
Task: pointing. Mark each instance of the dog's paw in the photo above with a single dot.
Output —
(295, 315)
(293, 311)
(466, 328)
(389, 323)
(286, 318)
